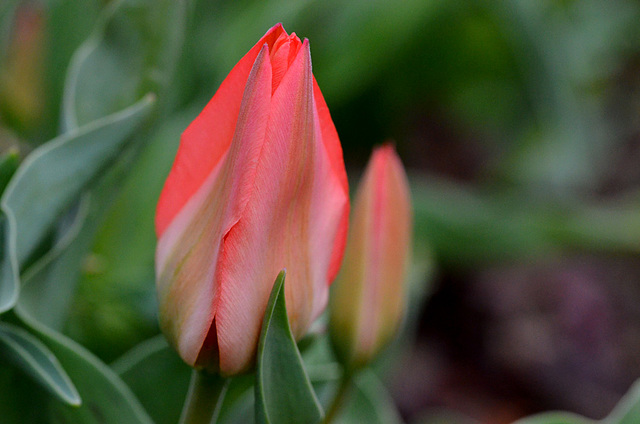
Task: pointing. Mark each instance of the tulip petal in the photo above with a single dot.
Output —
(334, 151)
(291, 221)
(205, 141)
(189, 248)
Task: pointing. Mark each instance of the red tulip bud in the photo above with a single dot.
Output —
(258, 185)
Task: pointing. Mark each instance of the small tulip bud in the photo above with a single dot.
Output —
(368, 297)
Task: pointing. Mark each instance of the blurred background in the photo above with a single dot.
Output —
(519, 124)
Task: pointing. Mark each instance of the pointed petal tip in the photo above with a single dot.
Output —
(277, 28)
(386, 153)
(386, 148)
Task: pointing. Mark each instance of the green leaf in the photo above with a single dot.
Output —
(555, 418)
(628, 410)
(68, 25)
(134, 50)
(105, 397)
(36, 360)
(48, 284)
(50, 178)
(283, 391)
(369, 402)
(8, 270)
(150, 365)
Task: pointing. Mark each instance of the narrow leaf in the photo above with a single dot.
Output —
(8, 271)
(68, 25)
(284, 394)
(36, 359)
(48, 285)
(50, 178)
(105, 397)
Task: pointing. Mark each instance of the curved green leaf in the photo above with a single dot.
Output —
(283, 391)
(50, 178)
(133, 51)
(8, 271)
(628, 410)
(105, 397)
(36, 360)
(47, 285)
(68, 25)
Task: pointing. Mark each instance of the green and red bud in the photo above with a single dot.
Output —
(368, 298)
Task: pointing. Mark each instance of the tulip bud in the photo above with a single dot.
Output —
(258, 185)
(367, 299)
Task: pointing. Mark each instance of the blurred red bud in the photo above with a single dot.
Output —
(368, 297)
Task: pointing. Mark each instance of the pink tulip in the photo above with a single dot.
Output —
(367, 300)
(258, 185)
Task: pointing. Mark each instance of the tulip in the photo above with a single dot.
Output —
(367, 299)
(258, 185)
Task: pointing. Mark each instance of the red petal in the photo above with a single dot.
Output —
(208, 137)
(334, 151)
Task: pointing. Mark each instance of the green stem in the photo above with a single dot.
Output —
(206, 392)
(339, 399)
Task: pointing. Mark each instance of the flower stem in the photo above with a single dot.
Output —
(205, 395)
(339, 399)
